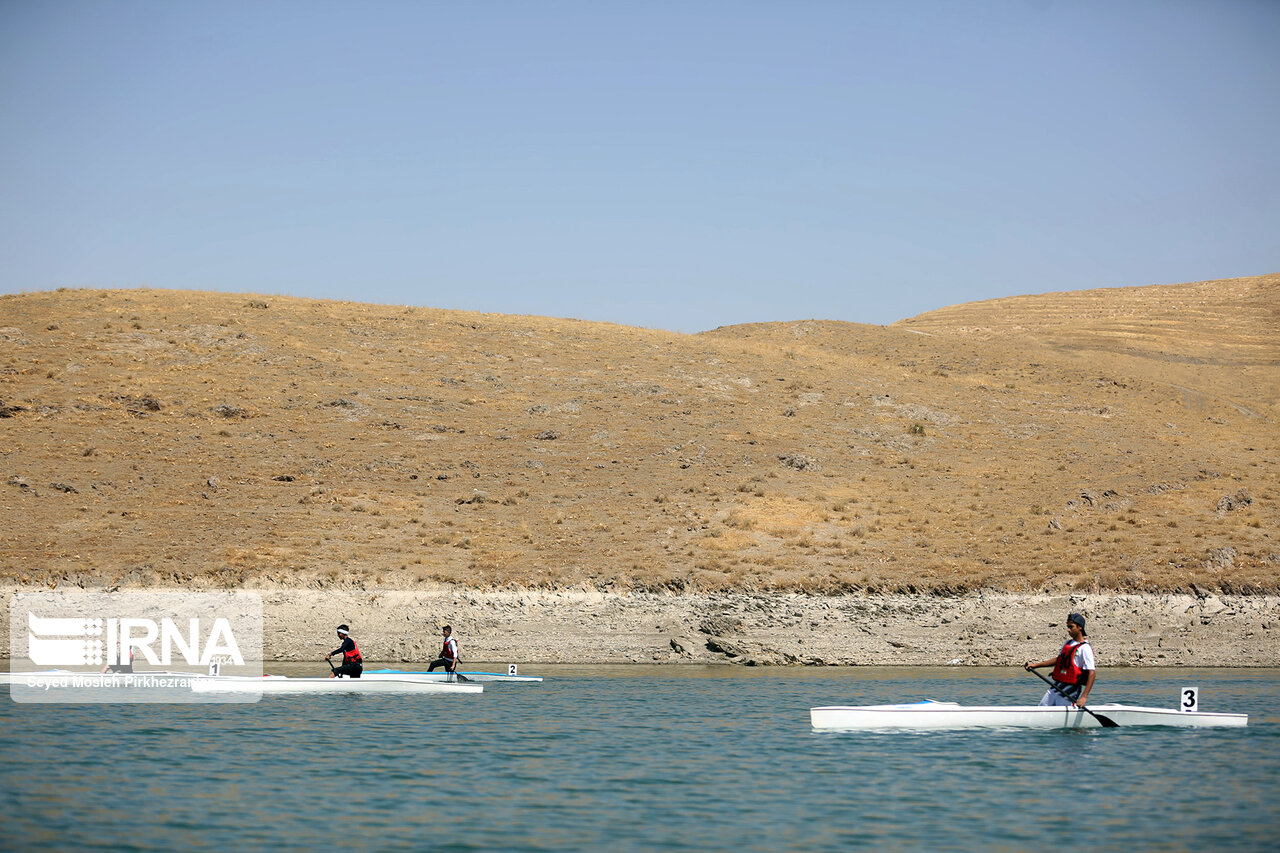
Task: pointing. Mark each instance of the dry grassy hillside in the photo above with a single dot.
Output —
(1105, 439)
(1217, 339)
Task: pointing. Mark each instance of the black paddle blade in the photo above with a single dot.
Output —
(1105, 721)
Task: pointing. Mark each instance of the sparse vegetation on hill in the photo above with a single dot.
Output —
(1119, 439)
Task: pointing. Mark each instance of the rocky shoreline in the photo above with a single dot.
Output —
(577, 626)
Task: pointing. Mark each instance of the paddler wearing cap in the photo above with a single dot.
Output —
(352, 660)
(1073, 669)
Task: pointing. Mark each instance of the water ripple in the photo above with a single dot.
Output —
(639, 758)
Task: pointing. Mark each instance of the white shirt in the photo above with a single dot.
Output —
(1084, 656)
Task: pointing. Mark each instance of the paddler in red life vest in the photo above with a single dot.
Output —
(1073, 669)
(352, 660)
(448, 654)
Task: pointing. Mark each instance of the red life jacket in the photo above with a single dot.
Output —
(448, 652)
(1066, 670)
(353, 654)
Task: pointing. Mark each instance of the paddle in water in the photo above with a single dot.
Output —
(1107, 722)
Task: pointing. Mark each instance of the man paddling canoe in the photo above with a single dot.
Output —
(352, 660)
(448, 654)
(123, 666)
(1074, 669)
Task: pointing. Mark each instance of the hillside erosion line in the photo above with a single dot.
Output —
(779, 629)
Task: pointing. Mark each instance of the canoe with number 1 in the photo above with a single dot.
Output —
(284, 684)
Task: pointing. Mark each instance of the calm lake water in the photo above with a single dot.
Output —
(644, 758)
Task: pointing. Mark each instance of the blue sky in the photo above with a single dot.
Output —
(671, 165)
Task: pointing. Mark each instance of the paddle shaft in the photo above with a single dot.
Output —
(1107, 722)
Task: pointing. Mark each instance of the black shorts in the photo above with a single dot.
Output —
(350, 670)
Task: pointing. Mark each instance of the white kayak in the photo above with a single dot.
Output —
(288, 684)
(384, 674)
(950, 715)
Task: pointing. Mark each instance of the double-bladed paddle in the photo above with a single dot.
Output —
(1107, 722)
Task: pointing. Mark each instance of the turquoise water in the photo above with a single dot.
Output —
(644, 758)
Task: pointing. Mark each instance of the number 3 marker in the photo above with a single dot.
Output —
(1190, 699)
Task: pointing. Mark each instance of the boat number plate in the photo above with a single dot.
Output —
(1189, 700)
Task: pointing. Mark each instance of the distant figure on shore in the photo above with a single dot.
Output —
(1074, 669)
(352, 660)
(448, 654)
(120, 667)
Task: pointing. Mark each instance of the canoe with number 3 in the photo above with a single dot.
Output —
(951, 715)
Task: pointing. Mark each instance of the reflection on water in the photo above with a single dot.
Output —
(639, 758)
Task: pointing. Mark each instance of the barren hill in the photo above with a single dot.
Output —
(1214, 338)
(1117, 439)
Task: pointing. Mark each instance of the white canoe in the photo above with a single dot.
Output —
(287, 684)
(949, 715)
(384, 674)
